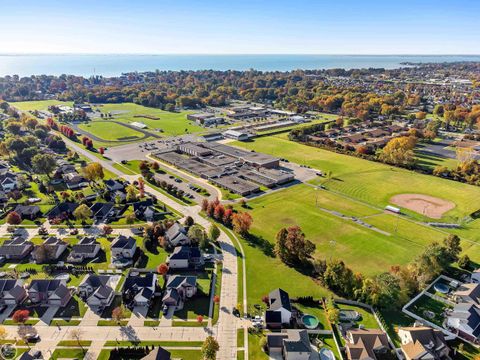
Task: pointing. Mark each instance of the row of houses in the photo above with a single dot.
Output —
(363, 135)
(417, 342)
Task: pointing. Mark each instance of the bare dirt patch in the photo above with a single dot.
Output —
(429, 206)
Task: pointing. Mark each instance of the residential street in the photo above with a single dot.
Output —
(225, 330)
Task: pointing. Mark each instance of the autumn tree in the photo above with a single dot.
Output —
(210, 348)
(214, 232)
(93, 172)
(119, 313)
(399, 151)
(241, 222)
(82, 213)
(13, 218)
(21, 316)
(43, 164)
(162, 269)
(292, 247)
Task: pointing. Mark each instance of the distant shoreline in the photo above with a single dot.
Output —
(110, 65)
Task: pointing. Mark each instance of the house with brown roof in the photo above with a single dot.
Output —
(422, 343)
(366, 344)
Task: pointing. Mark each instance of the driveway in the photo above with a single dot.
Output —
(6, 313)
(47, 317)
(139, 313)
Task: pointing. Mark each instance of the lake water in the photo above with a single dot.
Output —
(113, 65)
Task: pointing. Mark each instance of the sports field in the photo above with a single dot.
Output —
(111, 131)
(361, 189)
(38, 105)
(170, 123)
(368, 181)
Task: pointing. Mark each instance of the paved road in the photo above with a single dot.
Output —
(226, 328)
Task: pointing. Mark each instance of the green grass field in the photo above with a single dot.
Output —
(111, 131)
(170, 123)
(38, 105)
(368, 181)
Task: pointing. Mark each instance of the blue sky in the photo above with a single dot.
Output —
(240, 27)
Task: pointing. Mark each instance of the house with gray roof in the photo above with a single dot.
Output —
(49, 292)
(86, 249)
(184, 257)
(12, 292)
(96, 290)
(179, 288)
(291, 345)
(176, 235)
(468, 293)
(279, 302)
(423, 343)
(51, 250)
(16, 249)
(139, 290)
(465, 321)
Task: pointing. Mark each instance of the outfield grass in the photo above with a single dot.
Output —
(361, 248)
(371, 182)
(171, 123)
(110, 131)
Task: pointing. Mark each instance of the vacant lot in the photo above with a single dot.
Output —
(368, 181)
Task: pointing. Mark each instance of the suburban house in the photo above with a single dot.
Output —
(51, 250)
(279, 309)
(184, 257)
(423, 343)
(178, 289)
(74, 181)
(139, 290)
(465, 321)
(114, 185)
(290, 345)
(49, 292)
(103, 211)
(16, 249)
(3, 197)
(123, 249)
(8, 181)
(62, 211)
(86, 248)
(64, 169)
(176, 235)
(158, 353)
(28, 212)
(144, 210)
(96, 290)
(4, 167)
(12, 292)
(468, 293)
(365, 344)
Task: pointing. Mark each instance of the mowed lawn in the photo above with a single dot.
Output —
(363, 249)
(368, 181)
(171, 123)
(111, 131)
(38, 105)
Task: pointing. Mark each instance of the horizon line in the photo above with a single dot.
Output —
(225, 54)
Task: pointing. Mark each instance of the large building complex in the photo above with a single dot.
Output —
(239, 171)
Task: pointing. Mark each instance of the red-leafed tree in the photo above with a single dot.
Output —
(13, 218)
(21, 316)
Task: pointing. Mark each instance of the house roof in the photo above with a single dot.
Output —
(174, 230)
(10, 287)
(297, 341)
(158, 353)
(181, 253)
(86, 245)
(102, 209)
(275, 340)
(114, 185)
(46, 285)
(278, 299)
(469, 316)
(16, 246)
(177, 281)
(65, 207)
(425, 341)
(141, 206)
(471, 291)
(27, 210)
(365, 342)
(123, 242)
(139, 281)
(273, 317)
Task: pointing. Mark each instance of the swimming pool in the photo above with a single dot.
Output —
(310, 321)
